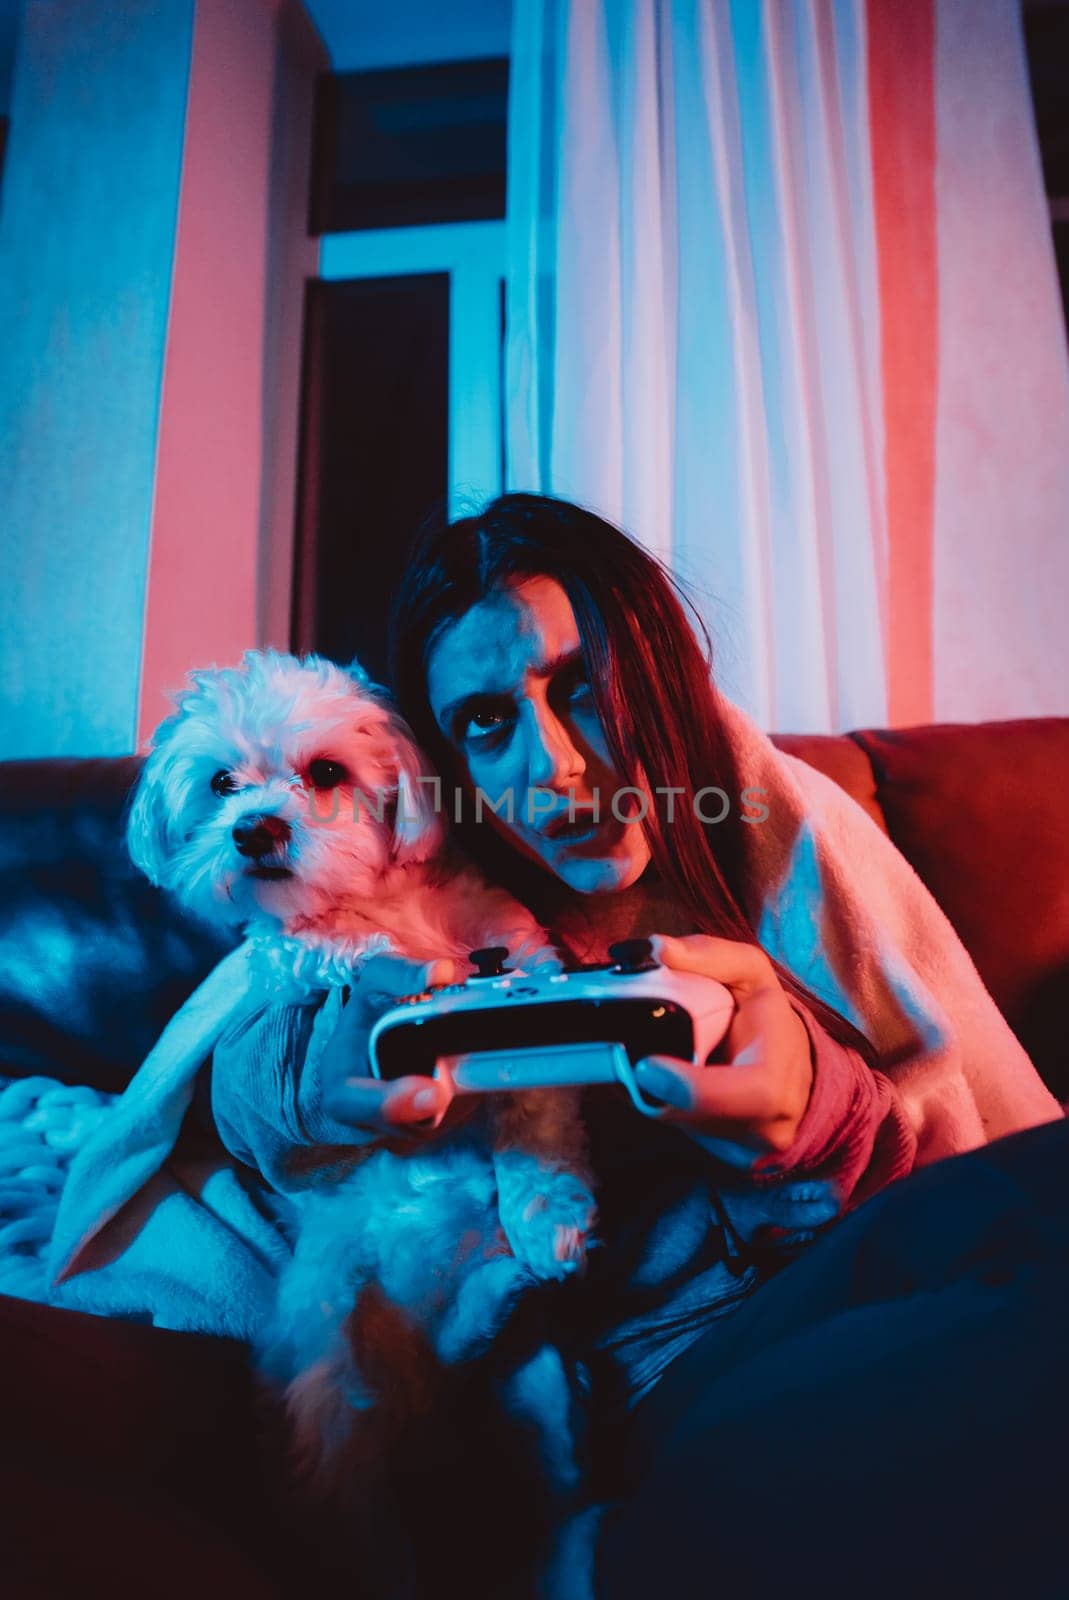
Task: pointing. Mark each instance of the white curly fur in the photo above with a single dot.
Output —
(452, 1233)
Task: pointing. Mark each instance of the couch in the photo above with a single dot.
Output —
(138, 1460)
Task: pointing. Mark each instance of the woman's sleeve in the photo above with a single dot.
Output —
(854, 1133)
(853, 1140)
(266, 1093)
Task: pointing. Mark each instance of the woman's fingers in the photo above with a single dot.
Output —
(721, 1108)
(706, 1094)
(731, 962)
(380, 983)
(350, 1093)
(755, 1095)
(384, 1107)
(384, 978)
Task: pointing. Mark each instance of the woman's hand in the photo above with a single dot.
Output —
(404, 1107)
(750, 1101)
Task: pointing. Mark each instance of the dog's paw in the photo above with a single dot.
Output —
(547, 1214)
(482, 1306)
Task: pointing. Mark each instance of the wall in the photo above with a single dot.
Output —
(152, 257)
(90, 195)
(10, 20)
(222, 535)
(362, 35)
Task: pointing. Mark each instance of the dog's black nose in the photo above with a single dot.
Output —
(258, 836)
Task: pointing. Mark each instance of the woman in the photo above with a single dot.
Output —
(540, 654)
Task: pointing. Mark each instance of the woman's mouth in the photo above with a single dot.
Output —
(568, 833)
(571, 837)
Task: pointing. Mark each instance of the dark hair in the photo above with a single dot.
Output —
(651, 682)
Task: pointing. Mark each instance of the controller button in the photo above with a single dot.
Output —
(633, 955)
(490, 962)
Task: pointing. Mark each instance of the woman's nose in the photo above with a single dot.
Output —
(553, 761)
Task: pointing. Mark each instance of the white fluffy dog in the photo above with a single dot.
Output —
(284, 796)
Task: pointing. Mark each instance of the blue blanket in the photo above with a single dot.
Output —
(43, 1124)
(190, 1241)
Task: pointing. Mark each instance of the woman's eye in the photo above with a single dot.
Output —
(224, 783)
(572, 688)
(484, 720)
(325, 774)
(484, 725)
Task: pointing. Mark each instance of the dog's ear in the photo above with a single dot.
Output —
(150, 823)
(363, 680)
(418, 826)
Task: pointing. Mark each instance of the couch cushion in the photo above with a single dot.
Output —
(980, 811)
(838, 757)
(93, 960)
(173, 1412)
(71, 1531)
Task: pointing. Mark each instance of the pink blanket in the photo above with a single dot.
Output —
(837, 904)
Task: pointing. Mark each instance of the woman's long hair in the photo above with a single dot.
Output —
(652, 686)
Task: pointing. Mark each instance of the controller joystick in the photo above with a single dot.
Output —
(490, 962)
(633, 955)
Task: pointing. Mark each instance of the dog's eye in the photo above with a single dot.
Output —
(326, 774)
(224, 783)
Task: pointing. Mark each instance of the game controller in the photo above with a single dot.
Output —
(508, 1030)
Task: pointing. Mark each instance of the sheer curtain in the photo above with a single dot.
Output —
(780, 286)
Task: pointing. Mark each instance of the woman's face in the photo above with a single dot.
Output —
(508, 688)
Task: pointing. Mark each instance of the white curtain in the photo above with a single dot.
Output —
(694, 345)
